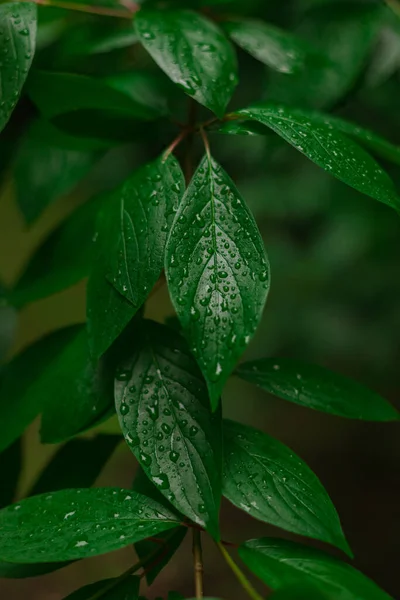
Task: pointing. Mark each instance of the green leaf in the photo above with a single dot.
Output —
(17, 47)
(111, 590)
(318, 388)
(72, 524)
(10, 469)
(163, 549)
(275, 47)
(63, 258)
(328, 148)
(77, 391)
(59, 475)
(281, 562)
(268, 481)
(162, 404)
(44, 171)
(134, 228)
(59, 93)
(217, 272)
(300, 592)
(8, 325)
(21, 397)
(193, 52)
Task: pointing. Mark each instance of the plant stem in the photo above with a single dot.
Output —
(205, 141)
(197, 563)
(175, 143)
(241, 577)
(95, 10)
(192, 113)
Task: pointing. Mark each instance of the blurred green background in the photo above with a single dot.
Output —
(335, 262)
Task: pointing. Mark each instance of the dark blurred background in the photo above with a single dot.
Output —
(335, 292)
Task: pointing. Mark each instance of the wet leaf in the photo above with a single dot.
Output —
(134, 228)
(217, 272)
(17, 47)
(112, 589)
(193, 52)
(162, 404)
(329, 148)
(73, 524)
(21, 397)
(281, 562)
(318, 388)
(268, 481)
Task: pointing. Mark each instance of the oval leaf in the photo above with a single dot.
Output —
(281, 562)
(328, 148)
(193, 52)
(134, 228)
(72, 524)
(162, 404)
(318, 388)
(217, 272)
(17, 47)
(268, 481)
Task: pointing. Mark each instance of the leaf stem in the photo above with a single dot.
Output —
(197, 563)
(241, 577)
(127, 13)
(206, 143)
(191, 122)
(175, 143)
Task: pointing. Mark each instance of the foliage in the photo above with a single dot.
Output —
(78, 84)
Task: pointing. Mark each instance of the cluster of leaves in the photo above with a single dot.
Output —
(165, 382)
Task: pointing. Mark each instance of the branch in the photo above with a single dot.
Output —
(197, 563)
(240, 576)
(126, 13)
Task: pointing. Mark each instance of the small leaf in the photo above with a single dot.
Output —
(17, 47)
(281, 562)
(59, 93)
(111, 589)
(134, 227)
(77, 391)
(217, 272)
(10, 469)
(21, 398)
(318, 388)
(162, 404)
(275, 47)
(268, 481)
(62, 260)
(328, 148)
(72, 524)
(44, 171)
(193, 52)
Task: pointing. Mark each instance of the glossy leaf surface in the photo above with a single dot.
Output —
(17, 47)
(275, 47)
(21, 398)
(135, 225)
(281, 562)
(193, 52)
(328, 148)
(162, 404)
(268, 481)
(300, 592)
(72, 524)
(111, 590)
(318, 388)
(217, 272)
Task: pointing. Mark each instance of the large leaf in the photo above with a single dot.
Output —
(193, 52)
(162, 549)
(111, 589)
(21, 397)
(62, 260)
(44, 171)
(343, 33)
(72, 524)
(318, 388)
(275, 47)
(59, 93)
(77, 391)
(162, 403)
(217, 272)
(134, 229)
(328, 147)
(17, 47)
(280, 562)
(300, 592)
(268, 481)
